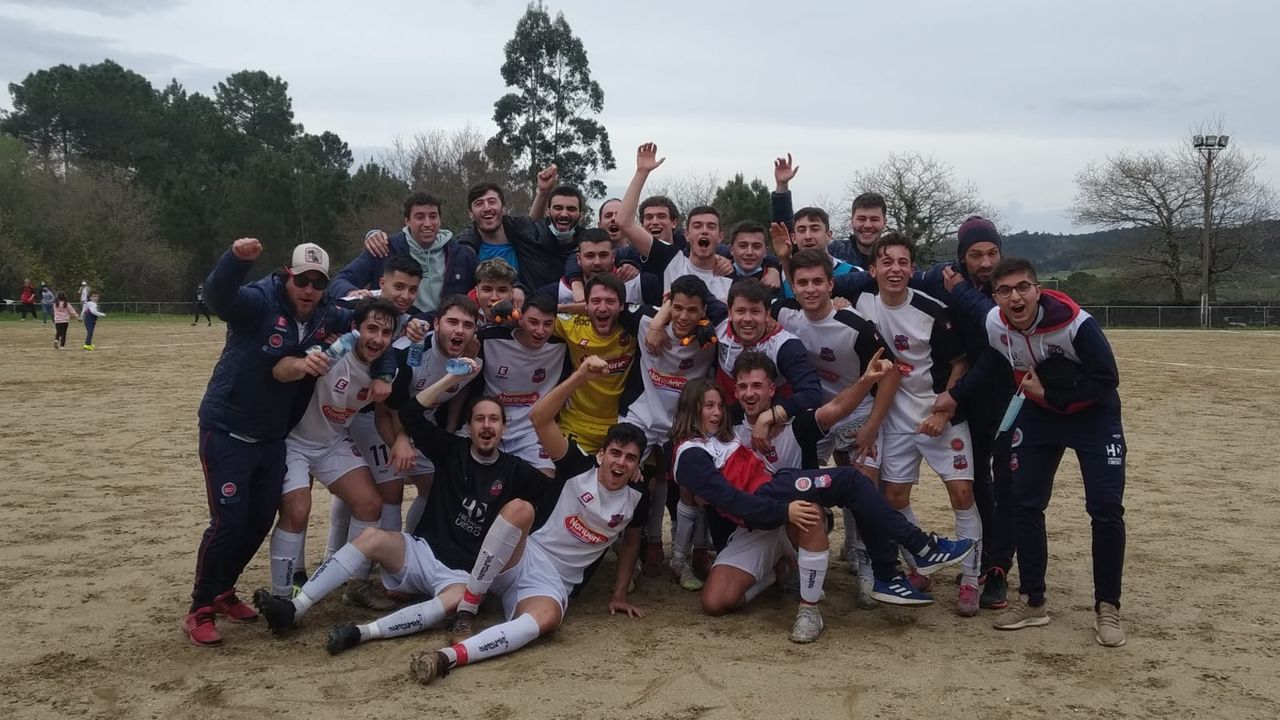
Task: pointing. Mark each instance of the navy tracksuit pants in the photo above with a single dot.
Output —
(991, 486)
(882, 527)
(242, 483)
(1037, 441)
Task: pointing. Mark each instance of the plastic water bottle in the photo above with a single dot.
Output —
(415, 353)
(340, 347)
(457, 366)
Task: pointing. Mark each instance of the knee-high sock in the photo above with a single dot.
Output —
(405, 621)
(357, 527)
(414, 516)
(969, 525)
(339, 525)
(391, 518)
(910, 515)
(495, 551)
(701, 532)
(682, 532)
(813, 573)
(284, 550)
(330, 576)
(657, 506)
(497, 640)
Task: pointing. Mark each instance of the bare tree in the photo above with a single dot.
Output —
(687, 192)
(924, 198)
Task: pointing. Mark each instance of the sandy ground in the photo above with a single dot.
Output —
(102, 505)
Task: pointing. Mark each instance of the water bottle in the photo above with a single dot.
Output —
(457, 366)
(415, 353)
(340, 347)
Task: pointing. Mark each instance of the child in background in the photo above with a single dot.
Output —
(62, 314)
(495, 282)
(91, 315)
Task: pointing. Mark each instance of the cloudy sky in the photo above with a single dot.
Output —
(1016, 94)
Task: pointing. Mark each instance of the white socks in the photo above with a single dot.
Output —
(357, 527)
(969, 525)
(416, 508)
(284, 551)
(497, 640)
(682, 534)
(330, 576)
(813, 573)
(339, 523)
(405, 621)
(499, 543)
(390, 519)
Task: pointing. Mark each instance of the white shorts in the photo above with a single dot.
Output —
(526, 447)
(533, 576)
(654, 436)
(422, 573)
(422, 465)
(755, 552)
(364, 435)
(949, 454)
(843, 436)
(326, 464)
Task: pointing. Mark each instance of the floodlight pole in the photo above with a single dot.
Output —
(1208, 145)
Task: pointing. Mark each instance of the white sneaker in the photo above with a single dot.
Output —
(684, 574)
(808, 625)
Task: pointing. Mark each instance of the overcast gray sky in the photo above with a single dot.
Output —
(1016, 94)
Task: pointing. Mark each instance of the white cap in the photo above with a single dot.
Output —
(309, 256)
(82, 282)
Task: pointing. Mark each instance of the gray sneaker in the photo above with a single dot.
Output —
(684, 574)
(362, 593)
(808, 625)
(1107, 626)
(1021, 615)
(865, 587)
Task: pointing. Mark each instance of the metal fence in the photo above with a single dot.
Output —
(1184, 316)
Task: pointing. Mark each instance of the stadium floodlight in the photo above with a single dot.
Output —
(1208, 146)
(1197, 140)
(1222, 141)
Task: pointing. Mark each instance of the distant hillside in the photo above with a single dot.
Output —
(1054, 253)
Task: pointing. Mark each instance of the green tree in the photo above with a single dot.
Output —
(738, 200)
(550, 117)
(258, 106)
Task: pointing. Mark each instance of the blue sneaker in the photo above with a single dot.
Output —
(942, 553)
(899, 591)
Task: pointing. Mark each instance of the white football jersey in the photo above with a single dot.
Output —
(338, 396)
(680, 265)
(663, 377)
(586, 520)
(518, 376)
(839, 347)
(432, 369)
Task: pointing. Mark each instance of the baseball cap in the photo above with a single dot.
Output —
(307, 257)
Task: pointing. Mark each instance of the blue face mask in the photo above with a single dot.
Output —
(561, 236)
(1011, 413)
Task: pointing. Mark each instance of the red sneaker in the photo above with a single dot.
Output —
(200, 628)
(237, 612)
(654, 563)
(920, 582)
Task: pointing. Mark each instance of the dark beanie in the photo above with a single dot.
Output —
(975, 229)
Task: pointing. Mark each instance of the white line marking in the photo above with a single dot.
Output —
(1195, 365)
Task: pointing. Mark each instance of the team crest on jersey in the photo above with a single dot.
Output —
(827, 354)
(539, 375)
(686, 363)
(543, 454)
(960, 462)
(900, 343)
(1054, 350)
(772, 455)
(1013, 461)
(957, 444)
(340, 385)
(624, 339)
(496, 488)
(228, 489)
(1016, 439)
(586, 498)
(275, 341)
(905, 368)
(282, 322)
(1004, 338)
(804, 484)
(502, 371)
(363, 394)
(822, 481)
(616, 520)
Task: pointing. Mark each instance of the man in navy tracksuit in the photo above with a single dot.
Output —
(448, 266)
(1067, 372)
(245, 414)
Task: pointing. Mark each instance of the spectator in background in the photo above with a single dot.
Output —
(27, 296)
(46, 300)
(84, 293)
(200, 307)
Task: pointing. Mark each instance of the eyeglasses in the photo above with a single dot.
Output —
(1023, 288)
(319, 282)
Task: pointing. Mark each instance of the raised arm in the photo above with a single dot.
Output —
(543, 414)
(224, 290)
(646, 162)
(546, 182)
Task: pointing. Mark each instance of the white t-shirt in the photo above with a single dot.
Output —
(338, 396)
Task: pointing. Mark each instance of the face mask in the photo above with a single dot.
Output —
(1011, 413)
(561, 236)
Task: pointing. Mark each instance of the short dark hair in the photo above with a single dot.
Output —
(811, 259)
(869, 200)
(623, 434)
(594, 235)
(495, 270)
(402, 264)
(893, 238)
(743, 227)
(568, 190)
(691, 286)
(470, 408)
(541, 301)
(703, 210)
(420, 198)
(462, 302)
(664, 201)
(610, 282)
(813, 213)
(1010, 265)
(376, 306)
(749, 360)
(751, 290)
(475, 191)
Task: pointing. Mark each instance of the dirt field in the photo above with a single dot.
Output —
(101, 507)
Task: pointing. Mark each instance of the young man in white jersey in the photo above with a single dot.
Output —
(454, 337)
(534, 572)
(319, 446)
(475, 481)
(840, 344)
(596, 256)
(649, 401)
(931, 359)
(702, 230)
(521, 365)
